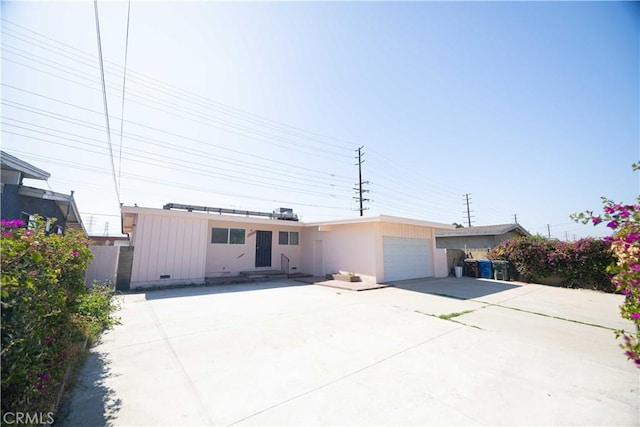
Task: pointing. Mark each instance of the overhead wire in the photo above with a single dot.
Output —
(124, 85)
(190, 96)
(224, 126)
(313, 173)
(104, 97)
(187, 167)
(164, 183)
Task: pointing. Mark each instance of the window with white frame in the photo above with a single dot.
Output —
(288, 238)
(232, 236)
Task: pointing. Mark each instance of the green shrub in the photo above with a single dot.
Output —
(47, 313)
(579, 264)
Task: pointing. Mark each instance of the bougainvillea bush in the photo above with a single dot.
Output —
(578, 264)
(45, 319)
(624, 220)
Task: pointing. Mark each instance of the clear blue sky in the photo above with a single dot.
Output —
(531, 108)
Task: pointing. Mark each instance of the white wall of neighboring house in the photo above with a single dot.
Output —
(440, 263)
(230, 259)
(167, 244)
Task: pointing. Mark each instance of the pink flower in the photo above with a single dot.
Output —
(635, 316)
(613, 224)
(32, 273)
(74, 253)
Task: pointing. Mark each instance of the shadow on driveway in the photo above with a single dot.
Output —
(194, 291)
(93, 403)
(463, 288)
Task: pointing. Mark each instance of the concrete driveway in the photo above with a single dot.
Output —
(425, 352)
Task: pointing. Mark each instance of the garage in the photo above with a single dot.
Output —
(406, 258)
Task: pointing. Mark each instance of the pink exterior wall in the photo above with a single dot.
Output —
(230, 259)
(345, 247)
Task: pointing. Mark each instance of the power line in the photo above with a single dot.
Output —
(164, 183)
(124, 85)
(104, 97)
(192, 170)
(178, 92)
(151, 128)
(163, 144)
(195, 116)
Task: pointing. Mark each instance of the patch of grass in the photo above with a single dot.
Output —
(452, 315)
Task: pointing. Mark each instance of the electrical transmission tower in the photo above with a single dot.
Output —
(469, 216)
(360, 182)
(106, 228)
(91, 223)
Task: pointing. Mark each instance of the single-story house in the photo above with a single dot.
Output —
(475, 242)
(23, 202)
(177, 247)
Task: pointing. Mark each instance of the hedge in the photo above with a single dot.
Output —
(48, 314)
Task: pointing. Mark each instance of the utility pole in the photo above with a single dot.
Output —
(359, 189)
(549, 230)
(515, 218)
(466, 196)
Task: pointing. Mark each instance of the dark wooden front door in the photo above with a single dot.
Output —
(263, 249)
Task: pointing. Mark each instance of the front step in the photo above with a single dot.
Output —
(263, 275)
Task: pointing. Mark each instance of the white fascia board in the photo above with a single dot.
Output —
(13, 163)
(385, 218)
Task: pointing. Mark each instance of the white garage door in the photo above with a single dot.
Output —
(406, 258)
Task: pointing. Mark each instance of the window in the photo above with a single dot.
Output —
(288, 238)
(293, 238)
(219, 235)
(283, 238)
(234, 236)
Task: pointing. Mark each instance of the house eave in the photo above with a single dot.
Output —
(13, 163)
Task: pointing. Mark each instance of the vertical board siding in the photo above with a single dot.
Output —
(173, 246)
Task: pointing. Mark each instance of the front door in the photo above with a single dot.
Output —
(263, 249)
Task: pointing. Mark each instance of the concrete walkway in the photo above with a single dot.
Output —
(425, 352)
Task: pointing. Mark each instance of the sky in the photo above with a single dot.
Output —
(529, 108)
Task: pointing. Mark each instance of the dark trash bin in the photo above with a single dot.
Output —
(471, 267)
(501, 270)
(484, 265)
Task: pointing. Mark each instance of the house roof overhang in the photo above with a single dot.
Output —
(384, 218)
(66, 203)
(12, 163)
(130, 213)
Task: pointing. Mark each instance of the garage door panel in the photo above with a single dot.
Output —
(406, 258)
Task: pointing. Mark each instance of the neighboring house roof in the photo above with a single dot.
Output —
(13, 163)
(484, 230)
(65, 202)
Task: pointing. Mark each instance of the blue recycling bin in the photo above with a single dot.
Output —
(486, 272)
